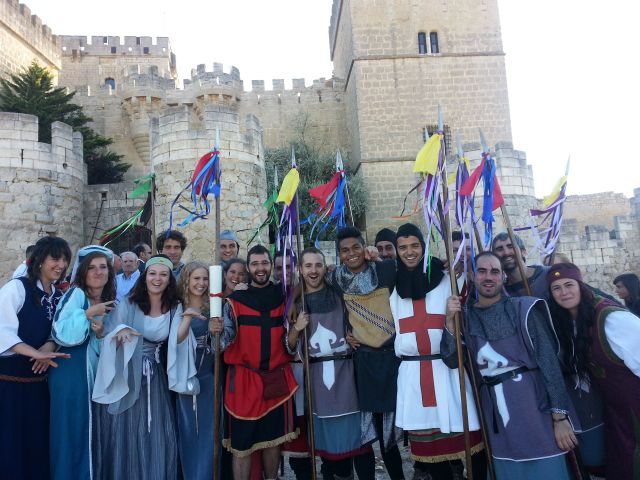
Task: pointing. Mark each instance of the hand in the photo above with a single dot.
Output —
(216, 325)
(97, 326)
(565, 438)
(126, 335)
(301, 322)
(42, 360)
(453, 306)
(191, 313)
(371, 254)
(241, 286)
(99, 309)
(351, 340)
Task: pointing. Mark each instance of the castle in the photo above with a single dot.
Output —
(394, 63)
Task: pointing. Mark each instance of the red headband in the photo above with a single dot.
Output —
(561, 271)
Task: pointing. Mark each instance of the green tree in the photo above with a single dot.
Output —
(316, 166)
(32, 91)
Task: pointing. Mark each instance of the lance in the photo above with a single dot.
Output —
(552, 256)
(461, 164)
(340, 166)
(454, 287)
(153, 214)
(505, 217)
(470, 361)
(216, 365)
(305, 337)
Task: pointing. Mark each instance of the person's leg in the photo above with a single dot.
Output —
(301, 466)
(391, 457)
(270, 462)
(365, 465)
(479, 465)
(241, 467)
(340, 469)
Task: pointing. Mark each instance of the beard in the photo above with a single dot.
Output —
(258, 281)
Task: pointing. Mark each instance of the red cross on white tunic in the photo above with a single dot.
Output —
(420, 324)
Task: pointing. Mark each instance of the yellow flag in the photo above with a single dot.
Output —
(555, 193)
(451, 179)
(289, 187)
(427, 158)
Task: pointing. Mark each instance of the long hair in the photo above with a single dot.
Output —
(228, 265)
(140, 297)
(109, 290)
(632, 284)
(183, 285)
(575, 344)
(55, 247)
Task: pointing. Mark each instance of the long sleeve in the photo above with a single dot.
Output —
(12, 297)
(622, 329)
(228, 334)
(181, 359)
(544, 346)
(448, 349)
(70, 324)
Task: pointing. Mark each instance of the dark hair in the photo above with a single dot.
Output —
(55, 247)
(140, 297)
(257, 250)
(486, 253)
(575, 347)
(632, 284)
(312, 250)
(139, 248)
(109, 290)
(502, 236)
(456, 236)
(233, 261)
(348, 232)
(171, 235)
(28, 251)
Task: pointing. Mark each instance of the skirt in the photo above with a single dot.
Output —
(433, 446)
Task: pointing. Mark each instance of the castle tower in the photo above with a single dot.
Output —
(400, 59)
(185, 131)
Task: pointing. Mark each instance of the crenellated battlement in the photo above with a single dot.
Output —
(200, 76)
(18, 18)
(146, 76)
(321, 91)
(111, 45)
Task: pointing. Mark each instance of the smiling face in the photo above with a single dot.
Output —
(172, 249)
(198, 282)
(97, 273)
(409, 251)
(506, 252)
(52, 268)
(566, 293)
(228, 249)
(488, 278)
(313, 270)
(157, 279)
(259, 269)
(236, 274)
(387, 250)
(351, 251)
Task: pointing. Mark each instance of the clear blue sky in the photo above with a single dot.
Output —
(571, 65)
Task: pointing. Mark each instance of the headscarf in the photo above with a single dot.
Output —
(83, 252)
(415, 284)
(385, 235)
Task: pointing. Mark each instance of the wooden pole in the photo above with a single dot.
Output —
(216, 367)
(516, 248)
(458, 330)
(153, 215)
(307, 371)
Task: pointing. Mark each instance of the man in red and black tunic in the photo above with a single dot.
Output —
(260, 384)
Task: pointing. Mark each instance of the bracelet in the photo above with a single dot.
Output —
(558, 420)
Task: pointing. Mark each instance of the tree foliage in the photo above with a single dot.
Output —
(316, 166)
(32, 91)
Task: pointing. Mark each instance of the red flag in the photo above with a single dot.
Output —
(470, 185)
(322, 192)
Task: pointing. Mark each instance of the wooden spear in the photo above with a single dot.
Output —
(216, 365)
(153, 214)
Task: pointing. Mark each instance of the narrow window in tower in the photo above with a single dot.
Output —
(145, 50)
(110, 81)
(433, 40)
(137, 40)
(113, 50)
(422, 43)
(105, 40)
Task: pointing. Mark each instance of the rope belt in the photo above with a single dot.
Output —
(9, 378)
(344, 356)
(420, 358)
(150, 357)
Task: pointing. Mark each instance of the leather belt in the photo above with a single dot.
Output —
(420, 358)
(345, 356)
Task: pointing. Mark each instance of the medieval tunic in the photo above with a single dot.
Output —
(428, 399)
(336, 416)
(135, 430)
(254, 327)
(26, 313)
(515, 333)
(70, 386)
(616, 370)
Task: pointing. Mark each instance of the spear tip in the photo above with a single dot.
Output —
(440, 124)
(483, 142)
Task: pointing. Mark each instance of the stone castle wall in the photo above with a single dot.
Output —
(41, 186)
(25, 38)
(596, 208)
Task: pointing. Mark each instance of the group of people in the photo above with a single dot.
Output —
(114, 377)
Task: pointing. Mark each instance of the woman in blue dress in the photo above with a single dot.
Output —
(195, 412)
(79, 318)
(27, 307)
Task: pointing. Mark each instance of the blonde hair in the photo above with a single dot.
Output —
(183, 285)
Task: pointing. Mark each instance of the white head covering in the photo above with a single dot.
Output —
(83, 252)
